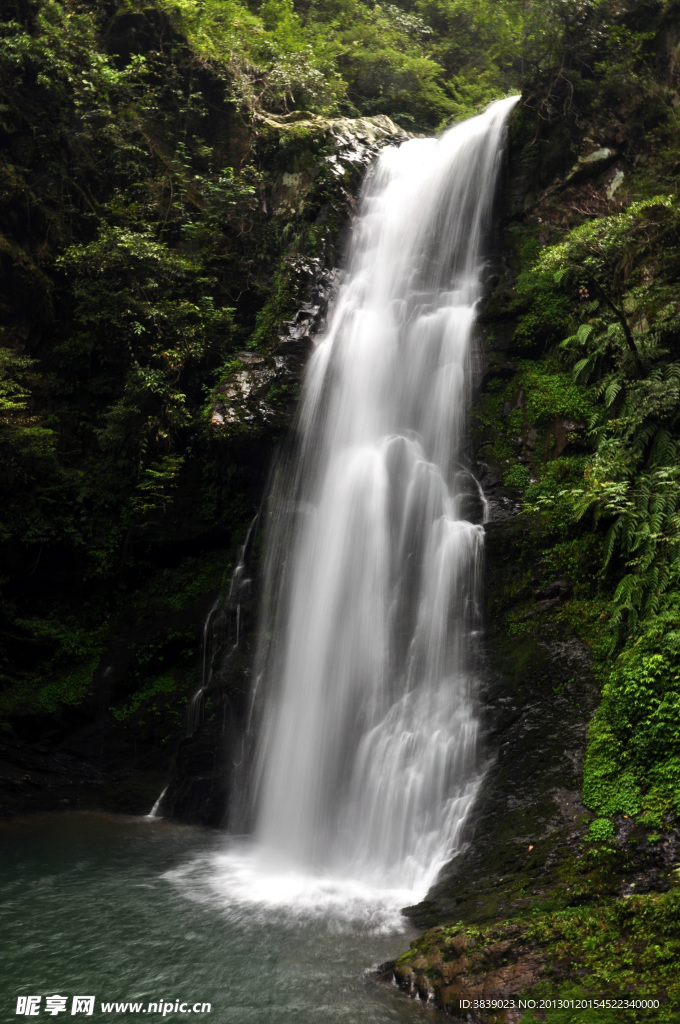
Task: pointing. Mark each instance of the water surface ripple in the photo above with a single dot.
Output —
(129, 909)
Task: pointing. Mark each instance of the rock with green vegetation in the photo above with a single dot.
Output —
(587, 963)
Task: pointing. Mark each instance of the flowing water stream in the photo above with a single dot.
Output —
(363, 744)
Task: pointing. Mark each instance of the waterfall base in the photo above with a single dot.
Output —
(250, 881)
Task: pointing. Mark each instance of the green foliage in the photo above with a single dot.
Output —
(423, 63)
(173, 589)
(599, 305)
(27, 446)
(632, 761)
(148, 699)
(601, 256)
(623, 948)
(615, 282)
(145, 321)
(156, 489)
(545, 314)
(602, 271)
(632, 480)
(604, 247)
(535, 403)
(550, 496)
(13, 394)
(517, 476)
(70, 654)
(127, 239)
(546, 322)
(601, 830)
(552, 393)
(68, 688)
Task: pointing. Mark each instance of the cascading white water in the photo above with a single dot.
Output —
(367, 762)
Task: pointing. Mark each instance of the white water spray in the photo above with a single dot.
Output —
(367, 756)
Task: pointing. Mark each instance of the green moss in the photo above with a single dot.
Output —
(517, 476)
(625, 949)
(547, 321)
(601, 830)
(632, 764)
(169, 590)
(278, 307)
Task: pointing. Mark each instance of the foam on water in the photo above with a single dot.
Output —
(250, 883)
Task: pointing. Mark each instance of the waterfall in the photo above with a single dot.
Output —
(155, 811)
(367, 758)
(221, 630)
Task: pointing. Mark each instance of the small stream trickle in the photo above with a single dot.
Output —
(221, 629)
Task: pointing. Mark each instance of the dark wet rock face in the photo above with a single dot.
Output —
(259, 394)
(35, 778)
(315, 169)
(199, 788)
